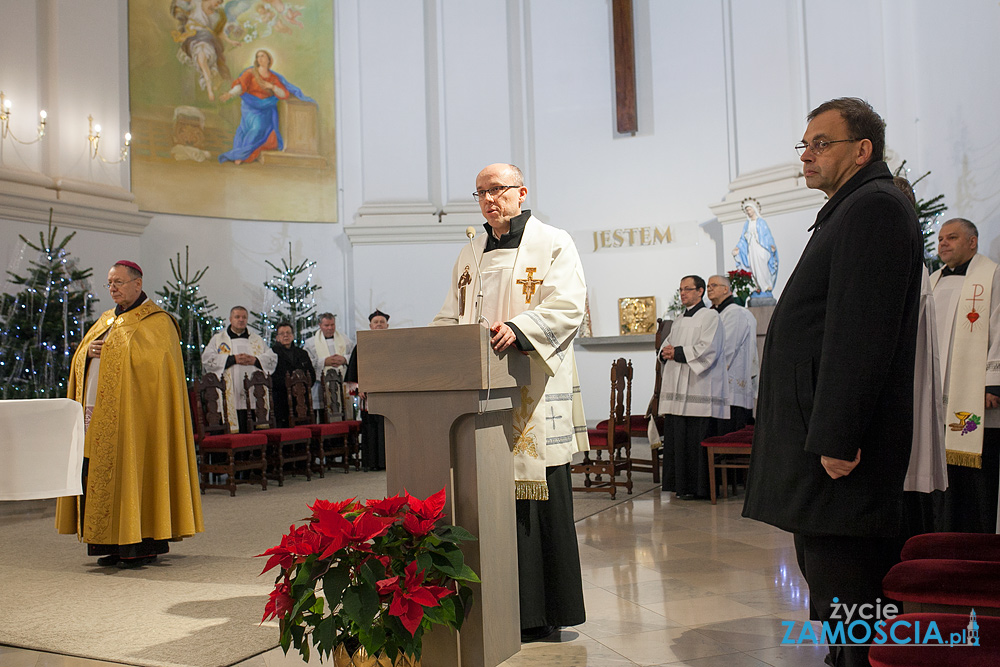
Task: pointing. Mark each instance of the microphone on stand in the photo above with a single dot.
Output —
(471, 233)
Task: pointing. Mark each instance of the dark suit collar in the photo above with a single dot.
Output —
(870, 172)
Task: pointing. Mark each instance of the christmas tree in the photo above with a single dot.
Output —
(295, 301)
(41, 325)
(928, 213)
(193, 311)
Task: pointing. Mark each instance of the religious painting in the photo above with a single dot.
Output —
(636, 315)
(232, 106)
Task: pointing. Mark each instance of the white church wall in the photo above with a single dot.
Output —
(958, 136)
(236, 252)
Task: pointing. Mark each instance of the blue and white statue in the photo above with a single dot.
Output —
(757, 253)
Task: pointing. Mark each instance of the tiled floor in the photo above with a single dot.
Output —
(668, 582)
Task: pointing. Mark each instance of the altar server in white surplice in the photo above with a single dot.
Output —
(234, 353)
(534, 293)
(741, 353)
(694, 391)
(329, 350)
(967, 308)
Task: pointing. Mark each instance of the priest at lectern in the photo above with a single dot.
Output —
(524, 280)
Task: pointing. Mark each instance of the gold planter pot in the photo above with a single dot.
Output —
(360, 658)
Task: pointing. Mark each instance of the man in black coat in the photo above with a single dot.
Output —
(291, 357)
(835, 408)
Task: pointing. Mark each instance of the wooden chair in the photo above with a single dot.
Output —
(336, 400)
(287, 447)
(611, 448)
(328, 441)
(219, 451)
(654, 463)
(733, 450)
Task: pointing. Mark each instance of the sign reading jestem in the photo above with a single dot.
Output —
(631, 236)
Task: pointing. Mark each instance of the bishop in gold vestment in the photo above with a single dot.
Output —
(140, 472)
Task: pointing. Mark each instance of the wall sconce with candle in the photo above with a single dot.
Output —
(5, 113)
(94, 137)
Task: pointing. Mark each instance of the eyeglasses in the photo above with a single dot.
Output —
(117, 284)
(493, 192)
(690, 289)
(711, 285)
(817, 146)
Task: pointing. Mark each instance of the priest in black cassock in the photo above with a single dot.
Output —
(291, 357)
(372, 426)
(533, 298)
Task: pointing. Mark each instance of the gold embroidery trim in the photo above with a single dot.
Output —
(528, 490)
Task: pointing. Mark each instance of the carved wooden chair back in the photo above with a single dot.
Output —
(260, 408)
(333, 396)
(300, 410)
(621, 397)
(212, 405)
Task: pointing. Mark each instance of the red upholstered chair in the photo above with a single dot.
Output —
(219, 451)
(961, 546)
(328, 441)
(336, 401)
(945, 586)
(891, 654)
(611, 448)
(733, 451)
(288, 448)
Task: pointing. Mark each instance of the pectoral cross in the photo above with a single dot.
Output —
(465, 280)
(529, 284)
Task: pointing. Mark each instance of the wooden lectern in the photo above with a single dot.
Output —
(447, 399)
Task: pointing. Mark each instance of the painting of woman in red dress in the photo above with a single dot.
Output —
(260, 88)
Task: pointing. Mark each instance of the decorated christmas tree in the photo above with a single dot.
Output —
(43, 322)
(183, 300)
(928, 214)
(291, 300)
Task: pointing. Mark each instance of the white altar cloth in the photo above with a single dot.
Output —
(41, 444)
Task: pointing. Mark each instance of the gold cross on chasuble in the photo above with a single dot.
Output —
(529, 284)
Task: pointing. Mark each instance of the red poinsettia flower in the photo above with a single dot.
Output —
(417, 526)
(299, 543)
(367, 526)
(427, 509)
(280, 602)
(388, 506)
(328, 506)
(409, 600)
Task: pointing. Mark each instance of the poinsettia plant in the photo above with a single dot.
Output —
(742, 284)
(375, 574)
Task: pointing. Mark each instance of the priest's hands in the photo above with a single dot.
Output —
(334, 360)
(503, 336)
(992, 401)
(667, 353)
(836, 468)
(94, 350)
(245, 359)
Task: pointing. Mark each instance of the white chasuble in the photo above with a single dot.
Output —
(968, 314)
(214, 358)
(698, 387)
(742, 363)
(538, 287)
